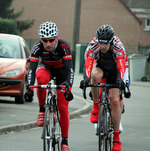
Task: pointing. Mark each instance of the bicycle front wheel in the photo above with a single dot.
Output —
(57, 131)
(47, 131)
(101, 128)
(109, 131)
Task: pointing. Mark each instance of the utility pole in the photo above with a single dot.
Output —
(76, 29)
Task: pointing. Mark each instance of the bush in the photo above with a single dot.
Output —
(8, 26)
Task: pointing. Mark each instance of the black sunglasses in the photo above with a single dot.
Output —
(46, 40)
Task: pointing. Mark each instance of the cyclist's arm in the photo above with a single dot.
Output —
(69, 70)
(33, 66)
(34, 59)
(122, 60)
(120, 63)
(88, 66)
(126, 74)
(89, 57)
(67, 59)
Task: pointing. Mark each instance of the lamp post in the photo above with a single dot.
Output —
(76, 29)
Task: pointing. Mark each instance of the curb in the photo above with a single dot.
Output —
(85, 109)
(29, 125)
(141, 84)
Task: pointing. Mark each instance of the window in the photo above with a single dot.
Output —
(27, 51)
(147, 25)
(10, 48)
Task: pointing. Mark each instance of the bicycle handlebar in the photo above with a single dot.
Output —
(126, 89)
(49, 86)
(68, 95)
(102, 85)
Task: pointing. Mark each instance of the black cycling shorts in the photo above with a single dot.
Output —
(111, 75)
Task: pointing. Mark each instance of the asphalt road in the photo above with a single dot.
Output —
(135, 137)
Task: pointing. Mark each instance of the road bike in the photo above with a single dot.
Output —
(51, 134)
(104, 129)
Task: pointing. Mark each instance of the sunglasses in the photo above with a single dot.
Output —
(105, 42)
(46, 40)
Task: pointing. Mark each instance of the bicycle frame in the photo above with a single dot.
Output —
(51, 134)
(104, 127)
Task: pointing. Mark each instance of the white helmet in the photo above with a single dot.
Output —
(48, 30)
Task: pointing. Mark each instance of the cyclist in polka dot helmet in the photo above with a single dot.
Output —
(51, 57)
(48, 30)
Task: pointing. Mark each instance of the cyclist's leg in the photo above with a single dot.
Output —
(116, 116)
(62, 104)
(111, 78)
(43, 77)
(122, 108)
(115, 104)
(96, 76)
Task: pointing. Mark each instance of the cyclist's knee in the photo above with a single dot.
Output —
(115, 104)
(43, 76)
(96, 75)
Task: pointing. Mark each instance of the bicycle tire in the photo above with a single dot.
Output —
(47, 131)
(108, 141)
(57, 131)
(102, 128)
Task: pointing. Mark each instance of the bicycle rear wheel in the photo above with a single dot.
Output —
(101, 128)
(48, 131)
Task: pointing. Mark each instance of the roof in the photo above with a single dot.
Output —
(9, 36)
(132, 13)
(144, 4)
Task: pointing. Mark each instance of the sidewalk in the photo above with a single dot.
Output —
(18, 117)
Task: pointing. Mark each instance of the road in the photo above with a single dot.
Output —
(135, 137)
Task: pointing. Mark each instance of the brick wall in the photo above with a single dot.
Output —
(93, 14)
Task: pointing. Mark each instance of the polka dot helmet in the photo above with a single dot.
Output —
(48, 30)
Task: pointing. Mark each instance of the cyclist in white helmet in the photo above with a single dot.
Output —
(56, 61)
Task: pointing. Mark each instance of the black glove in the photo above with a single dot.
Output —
(84, 82)
(29, 95)
(120, 84)
(68, 95)
(127, 93)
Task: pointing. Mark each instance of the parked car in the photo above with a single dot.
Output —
(13, 66)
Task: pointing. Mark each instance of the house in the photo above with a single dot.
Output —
(141, 8)
(93, 14)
